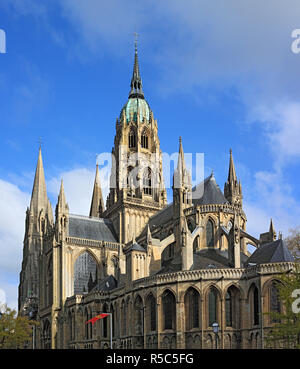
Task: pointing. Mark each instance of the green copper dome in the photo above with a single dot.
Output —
(135, 105)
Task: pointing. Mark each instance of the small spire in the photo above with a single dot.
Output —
(149, 236)
(61, 196)
(181, 162)
(97, 204)
(272, 231)
(61, 205)
(136, 81)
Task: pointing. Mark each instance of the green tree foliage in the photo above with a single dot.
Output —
(285, 332)
(293, 242)
(15, 331)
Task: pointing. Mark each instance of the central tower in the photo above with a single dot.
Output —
(137, 188)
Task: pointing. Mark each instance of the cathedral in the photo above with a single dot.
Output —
(169, 275)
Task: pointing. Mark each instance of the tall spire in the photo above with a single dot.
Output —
(97, 204)
(136, 81)
(39, 199)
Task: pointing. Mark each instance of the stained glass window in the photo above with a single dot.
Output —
(210, 234)
(228, 309)
(169, 310)
(255, 307)
(212, 306)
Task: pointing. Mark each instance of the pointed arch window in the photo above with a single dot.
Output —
(49, 284)
(85, 273)
(151, 313)
(212, 306)
(147, 181)
(144, 140)
(191, 302)
(255, 306)
(210, 241)
(228, 308)
(275, 305)
(131, 139)
(138, 311)
(123, 318)
(168, 302)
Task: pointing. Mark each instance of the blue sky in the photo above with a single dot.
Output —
(220, 74)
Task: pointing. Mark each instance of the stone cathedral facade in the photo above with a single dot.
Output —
(165, 272)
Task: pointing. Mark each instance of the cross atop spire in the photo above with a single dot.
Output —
(136, 81)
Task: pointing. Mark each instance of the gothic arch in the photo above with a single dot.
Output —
(85, 271)
(182, 293)
(254, 303)
(150, 312)
(145, 138)
(267, 285)
(168, 289)
(210, 236)
(192, 309)
(272, 303)
(233, 311)
(243, 293)
(169, 310)
(138, 315)
(212, 305)
(147, 180)
(132, 137)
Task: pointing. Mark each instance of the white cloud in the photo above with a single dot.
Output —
(271, 197)
(281, 125)
(12, 222)
(78, 186)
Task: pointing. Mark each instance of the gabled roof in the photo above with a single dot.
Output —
(272, 252)
(211, 192)
(97, 229)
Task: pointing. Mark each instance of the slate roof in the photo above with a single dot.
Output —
(272, 252)
(106, 284)
(161, 217)
(203, 259)
(211, 195)
(211, 192)
(92, 228)
(137, 247)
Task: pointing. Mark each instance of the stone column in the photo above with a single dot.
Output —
(159, 322)
(180, 335)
